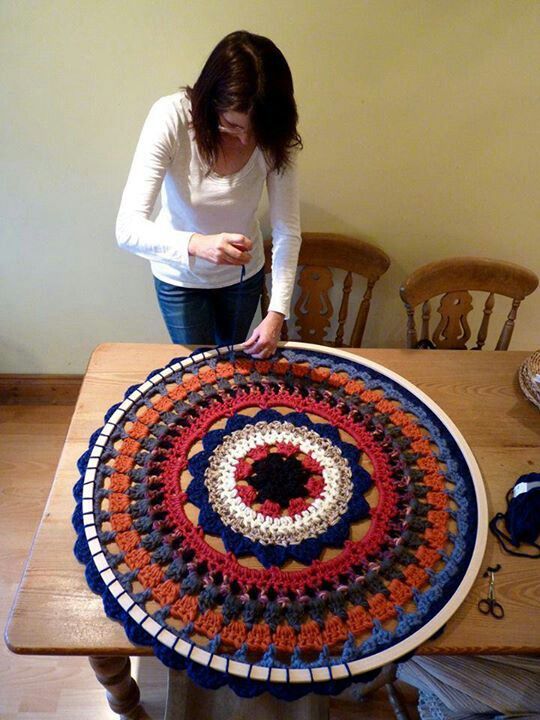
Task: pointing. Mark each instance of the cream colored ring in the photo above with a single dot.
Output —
(325, 511)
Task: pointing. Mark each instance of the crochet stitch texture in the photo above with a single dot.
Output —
(298, 513)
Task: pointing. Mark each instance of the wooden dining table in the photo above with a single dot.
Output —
(55, 613)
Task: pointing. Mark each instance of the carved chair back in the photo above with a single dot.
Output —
(452, 279)
(312, 312)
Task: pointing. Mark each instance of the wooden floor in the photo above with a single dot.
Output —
(40, 688)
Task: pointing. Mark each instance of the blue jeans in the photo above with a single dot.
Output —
(196, 316)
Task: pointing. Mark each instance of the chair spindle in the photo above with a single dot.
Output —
(482, 332)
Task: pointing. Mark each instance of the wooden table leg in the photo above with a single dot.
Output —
(114, 673)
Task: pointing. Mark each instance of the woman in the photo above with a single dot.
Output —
(210, 149)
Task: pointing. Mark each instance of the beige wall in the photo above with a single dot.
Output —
(421, 123)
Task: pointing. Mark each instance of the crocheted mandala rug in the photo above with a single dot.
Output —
(287, 525)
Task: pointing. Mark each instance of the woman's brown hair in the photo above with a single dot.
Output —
(248, 74)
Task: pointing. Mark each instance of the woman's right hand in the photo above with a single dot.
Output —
(221, 249)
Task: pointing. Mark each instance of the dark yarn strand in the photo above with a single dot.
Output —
(236, 313)
(522, 517)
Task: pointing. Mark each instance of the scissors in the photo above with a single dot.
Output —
(490, 606)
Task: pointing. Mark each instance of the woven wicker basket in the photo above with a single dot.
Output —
(529, 378)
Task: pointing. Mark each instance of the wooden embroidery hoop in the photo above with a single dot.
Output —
(293, 675)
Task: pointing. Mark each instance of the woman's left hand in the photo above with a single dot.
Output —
(265, 337)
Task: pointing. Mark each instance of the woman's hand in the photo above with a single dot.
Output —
(265, 337)
(221, 249)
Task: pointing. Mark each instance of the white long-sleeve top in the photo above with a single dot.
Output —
(195, 201)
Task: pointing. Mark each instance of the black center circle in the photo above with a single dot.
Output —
(279, 479)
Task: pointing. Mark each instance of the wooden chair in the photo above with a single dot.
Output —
(313, 311)
(452, 279)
